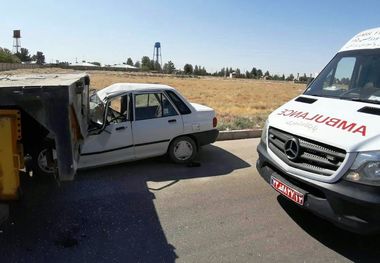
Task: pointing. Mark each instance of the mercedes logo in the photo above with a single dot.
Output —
(292, 148)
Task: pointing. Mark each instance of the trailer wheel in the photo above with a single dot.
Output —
(182, 150)
(44, 160)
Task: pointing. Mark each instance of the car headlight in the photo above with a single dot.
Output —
(264, 133)
(365, 169)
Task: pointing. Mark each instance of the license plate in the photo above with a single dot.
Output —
(287, 191)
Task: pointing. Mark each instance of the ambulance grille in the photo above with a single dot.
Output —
(312, 156)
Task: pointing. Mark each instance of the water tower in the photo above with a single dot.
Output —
(157, 58)
(16, 40)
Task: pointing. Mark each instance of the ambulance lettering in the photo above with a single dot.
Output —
(327, 120)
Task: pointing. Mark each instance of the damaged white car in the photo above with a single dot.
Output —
(131, 121)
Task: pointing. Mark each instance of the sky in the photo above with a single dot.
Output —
(280, 36)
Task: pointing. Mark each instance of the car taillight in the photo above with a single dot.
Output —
(214, 122)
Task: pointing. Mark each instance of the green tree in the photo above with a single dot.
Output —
(129, 62)
(276, 77)
(238, 74)
(260, 73)
(137, 64)
(146, 64)
(203, 71)
(196, 70)
(227, 72)
(290, 77)
(6, 56)
(156, 66)
(169, 67)
(24, 55)
(39, 57)
(188, 69)
(254, 73)
(304, 78)
(248, 74)
(222, 72)
(152, 65)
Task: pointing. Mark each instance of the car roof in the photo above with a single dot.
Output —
(367, 39)
(117, 89)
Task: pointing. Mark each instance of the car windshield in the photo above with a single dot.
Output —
(97, 109)
(352, 75)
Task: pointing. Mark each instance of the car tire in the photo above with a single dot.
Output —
(182, 150)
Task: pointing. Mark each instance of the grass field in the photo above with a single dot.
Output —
(239, 103)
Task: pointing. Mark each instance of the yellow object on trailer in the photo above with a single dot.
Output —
(11, 153)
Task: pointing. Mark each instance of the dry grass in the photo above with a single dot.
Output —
(239, 103)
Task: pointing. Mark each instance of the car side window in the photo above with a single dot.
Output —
(118, 110)
(152, 105)
(181, 106)
(167, 108)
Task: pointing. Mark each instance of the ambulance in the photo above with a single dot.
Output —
(321, 150)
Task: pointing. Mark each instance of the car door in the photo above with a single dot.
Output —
(115, 142)
(156, 122)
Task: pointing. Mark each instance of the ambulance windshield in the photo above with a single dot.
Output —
(351, 75)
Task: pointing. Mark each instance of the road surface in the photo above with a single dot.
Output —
(155, 211)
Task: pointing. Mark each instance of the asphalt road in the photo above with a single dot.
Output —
(155, 211)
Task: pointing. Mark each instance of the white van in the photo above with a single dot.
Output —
(322, 149)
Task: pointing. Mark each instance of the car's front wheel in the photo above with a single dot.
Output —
(182, 150)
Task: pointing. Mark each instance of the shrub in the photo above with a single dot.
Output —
(6, 56)
(241, 123)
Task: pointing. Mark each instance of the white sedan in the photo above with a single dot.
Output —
(133, 121)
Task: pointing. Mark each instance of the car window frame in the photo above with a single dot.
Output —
(163, 94)
(167, 92)
(129, 116)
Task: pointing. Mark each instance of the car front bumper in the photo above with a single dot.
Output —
(348, 205)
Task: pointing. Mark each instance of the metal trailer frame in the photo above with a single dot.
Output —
(11, 155)
(57, 102)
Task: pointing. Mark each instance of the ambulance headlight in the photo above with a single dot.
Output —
(365, 169)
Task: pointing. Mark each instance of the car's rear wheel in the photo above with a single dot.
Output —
(182, 150)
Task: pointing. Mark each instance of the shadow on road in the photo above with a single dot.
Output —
(352, 246)
(105, 215)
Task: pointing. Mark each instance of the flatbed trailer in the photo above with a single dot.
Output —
(41, 116)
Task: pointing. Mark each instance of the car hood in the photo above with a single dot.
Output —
(340, 123)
